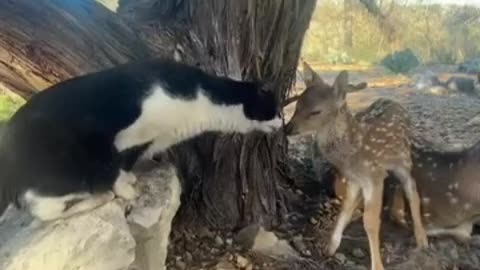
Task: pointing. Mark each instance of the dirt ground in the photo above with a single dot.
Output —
(448, 121)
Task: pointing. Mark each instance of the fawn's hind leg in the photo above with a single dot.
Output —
(372, 197)
(410, 188)
(51, 208)
(349, 204)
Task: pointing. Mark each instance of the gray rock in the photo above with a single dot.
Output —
(246, 236)
(101, 239)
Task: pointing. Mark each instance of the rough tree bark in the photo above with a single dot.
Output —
(44, 42)
(230, 180)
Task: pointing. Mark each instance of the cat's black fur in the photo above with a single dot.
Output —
(61, 140)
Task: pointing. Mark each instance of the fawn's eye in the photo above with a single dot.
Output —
(315, 113)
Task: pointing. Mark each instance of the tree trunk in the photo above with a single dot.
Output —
(229, 180)
(43, 42)
(232, 180)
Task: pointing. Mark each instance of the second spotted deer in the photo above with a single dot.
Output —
(364, 148)
(449, 186)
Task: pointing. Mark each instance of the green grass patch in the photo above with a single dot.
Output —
(9, 105)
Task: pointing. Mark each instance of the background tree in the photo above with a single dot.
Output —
(348, 23)
(229, 180)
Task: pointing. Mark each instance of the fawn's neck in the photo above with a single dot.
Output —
(341, 139)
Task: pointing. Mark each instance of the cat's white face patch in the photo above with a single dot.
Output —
(167, 120)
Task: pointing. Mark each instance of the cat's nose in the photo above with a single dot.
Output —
(276, 123)
(289, 129)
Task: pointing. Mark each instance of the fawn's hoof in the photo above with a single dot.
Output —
(332, 247)
(422, 242)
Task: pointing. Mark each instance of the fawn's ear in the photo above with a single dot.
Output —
(311, 78)
(340, 87)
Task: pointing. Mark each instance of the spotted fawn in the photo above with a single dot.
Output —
(364, 148)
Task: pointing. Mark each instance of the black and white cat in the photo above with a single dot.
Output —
(71, 145)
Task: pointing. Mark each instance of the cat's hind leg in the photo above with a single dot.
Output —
(47, 208)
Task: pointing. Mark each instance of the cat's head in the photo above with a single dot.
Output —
(261, 106)
(240, 106)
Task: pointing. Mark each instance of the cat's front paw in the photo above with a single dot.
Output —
(124, 187)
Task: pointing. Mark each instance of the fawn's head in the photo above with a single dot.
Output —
(320, 102)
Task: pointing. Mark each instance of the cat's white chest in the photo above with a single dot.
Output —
(166, 120)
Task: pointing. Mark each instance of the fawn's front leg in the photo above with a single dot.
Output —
(372, 197)
(350, 203)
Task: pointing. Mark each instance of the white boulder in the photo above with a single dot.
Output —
(105, 238)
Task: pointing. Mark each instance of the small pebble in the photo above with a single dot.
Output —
(242, 262)
(180, 264)
(219, 240)
(340, 258)
(188, 256)
(358, 253)
(299, 245)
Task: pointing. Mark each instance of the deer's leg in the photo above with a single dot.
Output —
(410, 188)
(372, 197)
(349, 205)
